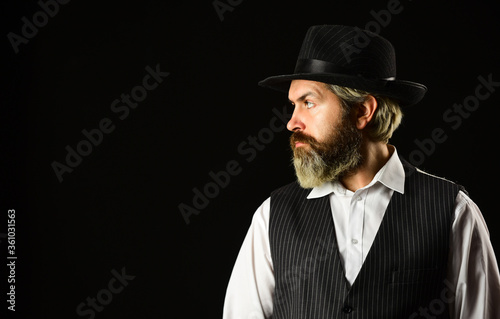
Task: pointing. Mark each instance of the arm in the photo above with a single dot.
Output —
(472, 270)
(251, 286)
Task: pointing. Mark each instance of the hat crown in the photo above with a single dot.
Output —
(351, 49)
(350, 57)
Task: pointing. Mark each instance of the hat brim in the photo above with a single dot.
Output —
(405, 92)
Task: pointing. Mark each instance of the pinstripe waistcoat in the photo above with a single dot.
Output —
(403, 275)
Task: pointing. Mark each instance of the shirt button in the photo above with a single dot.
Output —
(359, 198)
(347, 309)
(354, 241)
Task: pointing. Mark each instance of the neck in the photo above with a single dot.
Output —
(375, 155)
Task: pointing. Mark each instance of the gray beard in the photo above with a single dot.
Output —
(327, 161)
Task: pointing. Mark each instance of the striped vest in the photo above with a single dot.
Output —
(403, 275)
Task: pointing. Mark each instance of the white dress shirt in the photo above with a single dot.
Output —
(472, 268)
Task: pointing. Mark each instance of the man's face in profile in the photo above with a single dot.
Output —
(325, 141)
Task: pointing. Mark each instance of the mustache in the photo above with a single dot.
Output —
(301, 137)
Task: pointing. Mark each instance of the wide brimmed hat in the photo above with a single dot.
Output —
(350, 57)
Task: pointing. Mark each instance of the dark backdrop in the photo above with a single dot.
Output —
(112, 229)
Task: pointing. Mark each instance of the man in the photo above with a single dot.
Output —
(363, 234)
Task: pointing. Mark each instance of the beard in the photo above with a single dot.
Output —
(331, 160)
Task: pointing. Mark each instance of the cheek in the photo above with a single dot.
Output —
(326, 126)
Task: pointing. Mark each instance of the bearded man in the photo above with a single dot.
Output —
(362, 233)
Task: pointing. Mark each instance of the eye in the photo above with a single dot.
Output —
(309, 105)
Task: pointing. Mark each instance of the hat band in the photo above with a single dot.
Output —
(320, 66)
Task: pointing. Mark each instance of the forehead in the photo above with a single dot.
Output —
(300, 89)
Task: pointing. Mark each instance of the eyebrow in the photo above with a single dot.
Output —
(304, 96)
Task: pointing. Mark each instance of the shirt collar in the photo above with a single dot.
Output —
(391, 175)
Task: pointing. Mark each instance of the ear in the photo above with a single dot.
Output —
(365, 112)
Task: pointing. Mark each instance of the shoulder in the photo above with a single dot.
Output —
(441, 181)
(427, 180)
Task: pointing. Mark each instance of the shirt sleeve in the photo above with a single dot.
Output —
(472, 270)
(250, 290)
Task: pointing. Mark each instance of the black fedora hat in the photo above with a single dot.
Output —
(350, 57)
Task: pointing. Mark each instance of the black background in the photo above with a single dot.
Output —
(119, 207)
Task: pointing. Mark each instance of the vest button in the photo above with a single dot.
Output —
(347, 309)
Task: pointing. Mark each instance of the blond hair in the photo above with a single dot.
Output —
(386, 119)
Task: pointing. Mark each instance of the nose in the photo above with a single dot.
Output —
(295, 123)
